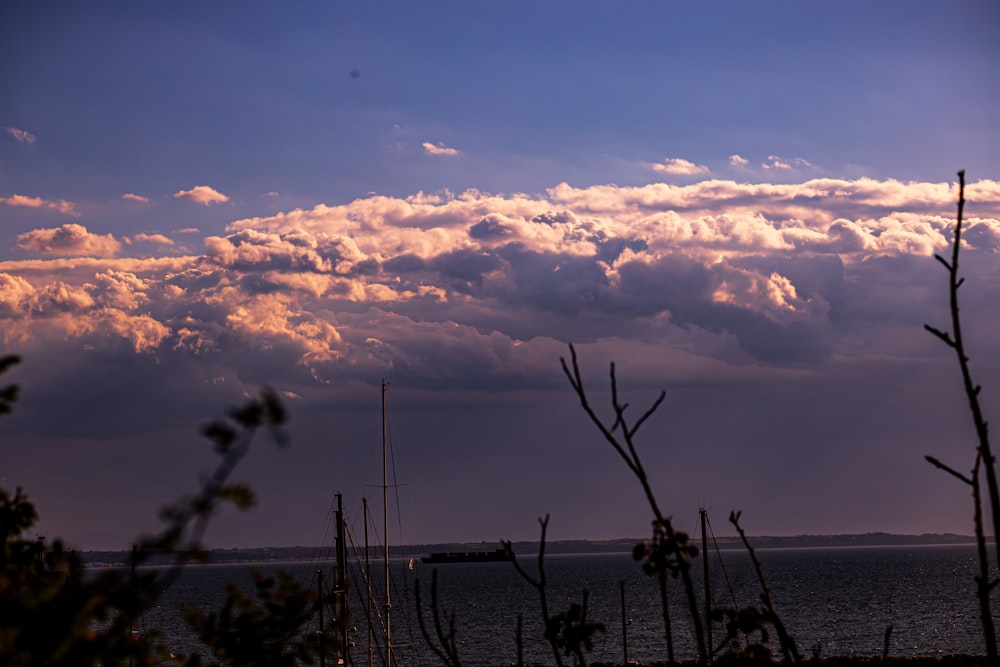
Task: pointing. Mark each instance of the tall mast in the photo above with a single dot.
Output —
(385, 531)
(708, 582)
(340, 586)
(368, 587)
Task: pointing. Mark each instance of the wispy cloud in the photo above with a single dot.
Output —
(70, 240)
(61, 205)
(737, 160)
(134, 197)
(785, 164)
(439, 149)
(202, 194)
(679, 167)
(23, 136)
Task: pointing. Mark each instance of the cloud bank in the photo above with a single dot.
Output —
(750, 275)
(785, 321)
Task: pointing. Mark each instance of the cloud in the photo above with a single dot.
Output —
(202, 194)
(159, 239)
(780, 163)
(679, 166)
(21, 135)
(795, 309)
(61, 205)
(439, 149)
(272, 193)
(738, 161)
(133, 197)
(750, 274)
(69, 240)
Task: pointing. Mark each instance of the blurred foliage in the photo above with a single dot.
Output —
(54, 614)
(666, 553)
(264, 631)
(571, 632)
(746, 624)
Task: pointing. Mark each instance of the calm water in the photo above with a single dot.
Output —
(835, 601)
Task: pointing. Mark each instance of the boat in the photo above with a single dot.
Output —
(495, 556)
(377, 616)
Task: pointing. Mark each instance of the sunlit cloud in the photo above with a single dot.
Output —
(738, 161)
(159, 239)
(69, 240)
(439, 149)
(272, 193)
(748, 273)
(21, 135)
(679, 167)
(202, 194)
(134, 197)
(785, 164)
(188, 230)
(61, 205)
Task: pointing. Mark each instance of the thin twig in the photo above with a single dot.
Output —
(630, 455)
(787, 643)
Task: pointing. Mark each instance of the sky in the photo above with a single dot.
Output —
(737, 203)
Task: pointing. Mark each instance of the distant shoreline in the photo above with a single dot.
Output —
(560, 547)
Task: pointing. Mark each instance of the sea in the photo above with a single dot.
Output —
(832, 601)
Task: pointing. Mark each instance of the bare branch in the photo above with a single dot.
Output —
(940, 334)
(951, 471)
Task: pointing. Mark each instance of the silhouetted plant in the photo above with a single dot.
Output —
(572, 633)
(666, 542)
(261, 631)
(984, 456)
(749, 623)
(8, 395)
(445, 647)
(788, 647)
(568, 633)
(663, 558)
(51, 615)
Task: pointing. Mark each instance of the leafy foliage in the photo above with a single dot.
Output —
(265, 630)
(53, 615)
(571, 632)
(666, 553)
(744, 623)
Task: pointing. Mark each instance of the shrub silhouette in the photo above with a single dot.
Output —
(50, 615)
(984, 460)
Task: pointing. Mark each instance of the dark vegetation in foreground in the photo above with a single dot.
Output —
(51, 615)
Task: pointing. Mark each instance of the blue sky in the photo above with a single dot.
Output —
(736, 202)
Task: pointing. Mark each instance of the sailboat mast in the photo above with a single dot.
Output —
(368, 587)
(708, 582)
(341, 584)
(385, 531)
